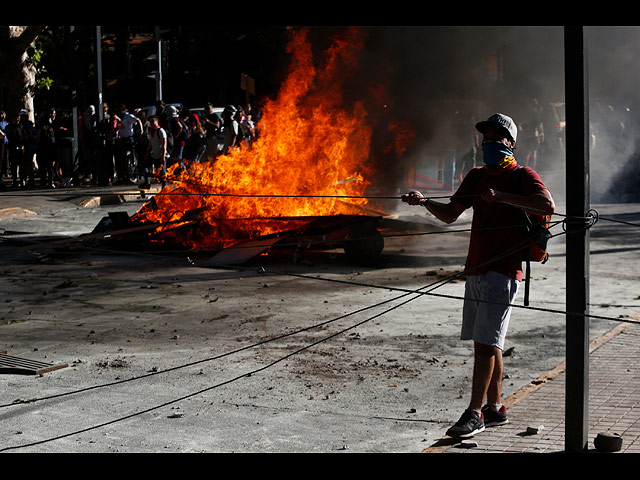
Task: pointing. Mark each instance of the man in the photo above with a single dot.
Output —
(176, 132)
(3, 144)
(107, 131)
(16, 142)
(46, 148)
(89, 144)
(230, 129)
(124, 145)
(212, 126)
(161, 112)
(27, 169)
(156, 155)
(498, 193)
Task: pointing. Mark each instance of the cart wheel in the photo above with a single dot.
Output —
(364, 244)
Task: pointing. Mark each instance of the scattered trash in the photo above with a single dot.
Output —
(115, 363)
(65, 284)
(534, 430)
(467, 444)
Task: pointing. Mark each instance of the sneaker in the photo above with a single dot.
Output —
(493, 417)
(468, 425)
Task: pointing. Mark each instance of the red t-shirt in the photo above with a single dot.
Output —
(496, 227)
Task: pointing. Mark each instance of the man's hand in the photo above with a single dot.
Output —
(413, 198)
(491, 195)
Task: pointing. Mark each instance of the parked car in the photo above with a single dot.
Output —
(151, 110)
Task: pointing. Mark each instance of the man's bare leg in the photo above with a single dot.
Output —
(487, 375)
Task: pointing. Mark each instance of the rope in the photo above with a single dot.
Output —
(143, 194)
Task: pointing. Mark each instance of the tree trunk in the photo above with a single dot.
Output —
(18, 73)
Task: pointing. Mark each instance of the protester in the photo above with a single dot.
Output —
(141, 138)
(245, 128)
(230, 125)
(46, 149)
(107, 130)
(16, 142)
(492, 274)
(178, 132)
(195, 143)
(213, 126)
(30, 144)
(125, 144)
(156, 154)
(4, 165)
(162, 114)
(88, 134)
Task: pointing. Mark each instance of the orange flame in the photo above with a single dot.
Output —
(309, 146)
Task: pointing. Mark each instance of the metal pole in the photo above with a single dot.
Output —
(99, 72)
(159, 69)
(577, 276)
(74, 96)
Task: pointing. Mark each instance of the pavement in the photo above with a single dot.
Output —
(390, 385)
(537, 411)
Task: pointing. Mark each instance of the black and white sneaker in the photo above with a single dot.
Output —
(493, 417)
(470, 423)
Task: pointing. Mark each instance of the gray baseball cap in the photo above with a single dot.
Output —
(501, 120)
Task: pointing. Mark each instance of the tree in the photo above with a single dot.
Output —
(18, 72)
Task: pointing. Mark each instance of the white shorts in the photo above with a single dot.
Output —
(486, 311)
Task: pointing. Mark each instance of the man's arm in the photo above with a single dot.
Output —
(538, 203)
(164, 148)
(447, 212)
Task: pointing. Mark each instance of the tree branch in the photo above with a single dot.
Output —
(28, 36)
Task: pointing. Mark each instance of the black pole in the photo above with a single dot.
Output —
(158, 39)
(577, 276)
(99, 72)
(74, 167)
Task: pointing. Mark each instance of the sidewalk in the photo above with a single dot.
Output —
(614, 397)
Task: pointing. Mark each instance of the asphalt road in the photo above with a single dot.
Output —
(169, 353)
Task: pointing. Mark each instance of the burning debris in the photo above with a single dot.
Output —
(305, 174)
(358, 235)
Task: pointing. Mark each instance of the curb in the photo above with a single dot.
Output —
(113, 199)
(15, 212)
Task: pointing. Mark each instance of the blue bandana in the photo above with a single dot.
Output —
(495, 153)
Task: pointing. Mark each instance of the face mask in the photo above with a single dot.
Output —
(493, 153)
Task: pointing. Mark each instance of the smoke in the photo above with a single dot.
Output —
(614, 113)
(441, 80)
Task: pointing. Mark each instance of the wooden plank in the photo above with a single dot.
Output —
(242, 252)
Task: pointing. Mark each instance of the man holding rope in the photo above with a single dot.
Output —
(493, 268)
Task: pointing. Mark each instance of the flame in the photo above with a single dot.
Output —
(310, 151)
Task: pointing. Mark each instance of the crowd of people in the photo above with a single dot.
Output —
(122, 148)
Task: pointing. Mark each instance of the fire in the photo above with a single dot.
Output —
(311, 149)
